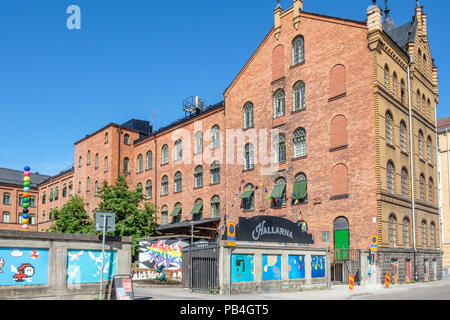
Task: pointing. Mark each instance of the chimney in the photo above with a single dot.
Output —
(277, 16)
(374, 18)
(298, 6)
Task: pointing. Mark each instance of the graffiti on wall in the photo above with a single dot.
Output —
(296, 267)
(20, 266)
(85, 266)
(243, 268)
(153, 254)
(271, 267)
(317, 266)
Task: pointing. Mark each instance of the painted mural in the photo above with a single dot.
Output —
(296, 267)
(271, 267)
(243, 268)
(153, 254)
(318, 267)
(85, 266)
(20, 266)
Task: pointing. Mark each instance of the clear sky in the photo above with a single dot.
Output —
(137, 59)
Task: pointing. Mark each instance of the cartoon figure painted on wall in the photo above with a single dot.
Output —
(271, 267)
(24, 273)
(85, 266)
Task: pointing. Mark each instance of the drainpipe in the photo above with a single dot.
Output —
(448, 175)
(412, 168)
(119, 131)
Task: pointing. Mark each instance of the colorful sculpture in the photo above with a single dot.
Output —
(26, 198)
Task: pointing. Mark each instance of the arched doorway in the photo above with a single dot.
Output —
(341, 238)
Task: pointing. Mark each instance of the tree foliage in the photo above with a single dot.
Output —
(72, 218)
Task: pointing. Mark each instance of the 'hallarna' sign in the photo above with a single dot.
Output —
(271, 229)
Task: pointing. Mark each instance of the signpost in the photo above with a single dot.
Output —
(104, 221)
(231, 243)
(326, 239)
(373, 247)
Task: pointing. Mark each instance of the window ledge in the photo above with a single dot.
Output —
(299, 158)
(298, 64)
(342, 95)
(215, 183)
(248, 170)
(405, 153)
(248, 210)
(248, 128)
(339, 148)
(343, 196)
(164, 164)
(299, 110)
(390, 145)
(430, 164)
(421, 160)
(277, 80)
(149, 169)
(199, 187)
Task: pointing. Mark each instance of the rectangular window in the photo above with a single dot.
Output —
(5, 218)
(6, 198)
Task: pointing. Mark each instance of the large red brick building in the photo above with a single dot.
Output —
(317, 127)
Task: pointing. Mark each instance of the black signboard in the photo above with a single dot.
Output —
(271, 229)
(122, 288)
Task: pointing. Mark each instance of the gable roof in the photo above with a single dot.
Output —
(15, 178)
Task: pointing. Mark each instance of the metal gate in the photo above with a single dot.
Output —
(344, 263)
(200, 267)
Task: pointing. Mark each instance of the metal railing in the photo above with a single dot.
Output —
(345, 262)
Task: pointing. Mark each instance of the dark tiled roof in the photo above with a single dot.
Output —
(15, 178)
(443, 123)
(402, 35)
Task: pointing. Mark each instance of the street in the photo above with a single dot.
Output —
(436, 290)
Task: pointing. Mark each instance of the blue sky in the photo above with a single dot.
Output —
(133, 58)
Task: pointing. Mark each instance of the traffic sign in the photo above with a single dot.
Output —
(101, 217)
(231, 234)
(373, 243)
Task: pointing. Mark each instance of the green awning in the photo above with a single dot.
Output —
(175, 212)
(197, 208)
(299, 192)
(247, 193)
(277, 191)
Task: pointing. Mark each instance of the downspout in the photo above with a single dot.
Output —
(448, 175)
(118, 164)
(412, 169)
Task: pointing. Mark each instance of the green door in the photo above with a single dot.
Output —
(341, 244)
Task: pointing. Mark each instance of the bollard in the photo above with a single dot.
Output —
(388, 281)
(352, 282)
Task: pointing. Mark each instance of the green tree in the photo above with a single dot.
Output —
(132, 219)
(72, 218)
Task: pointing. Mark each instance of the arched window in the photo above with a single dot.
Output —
(89, 157)
(420, 60)
(164, 215)
(389, 128)
(177, 213)
(126, 138)
(418, 100)
(140, 163)
(149, 189)
(390, 172)
(432, 236)
(403, 136)
(430, 191)
(197, 211)
(429, 147)
(420, 144)
(338, 132)
(126, 165)
(88, 184)
(248, 197)
(96, 161)
(341, 238)
(106, 137)
(215, 207)
(298, 50)
(164, 186)
(428, 108)
(425, 63)
(406, 241)
(300, 192)
(106, 164)
(422, 188)
(198, 177)
(139, 187)
(149, 160)
(279, 148)
(96, 187)
(248, 115)
(178, 150)
(165, 154)
(70, 189)
(249, 157)
(424, 108)
(215, 173)
(386, 77)
(424, 234)
(392, 231)
(337, 81)
(215, 137)
(299, 96)
(278, 194)
(80, 161)
(299, 143)
(279, 104)
(403, 91)
(394, 85)
(178, 182)
(404, 183)
(198, 142)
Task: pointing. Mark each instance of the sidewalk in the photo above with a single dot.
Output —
(335, 293)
